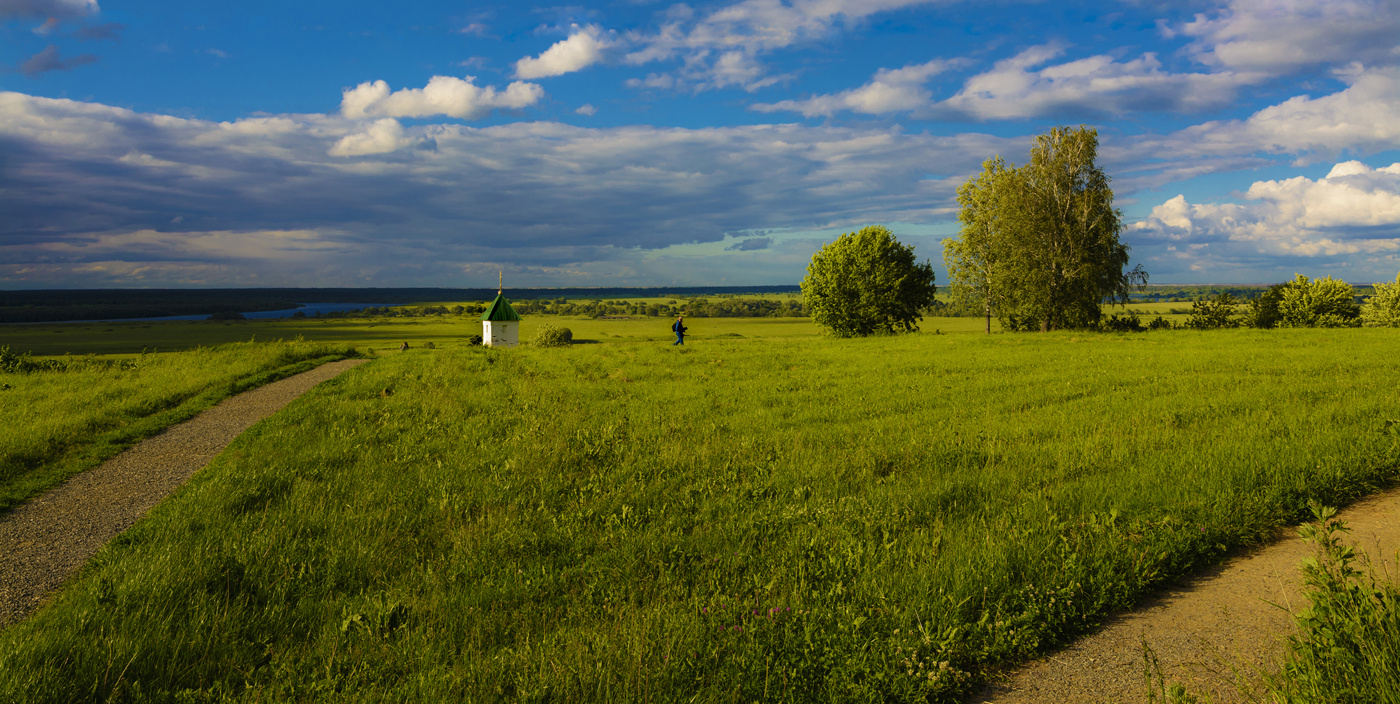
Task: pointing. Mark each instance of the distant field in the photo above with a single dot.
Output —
(389, 333)
(776, 517)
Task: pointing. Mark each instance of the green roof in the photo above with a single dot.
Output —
(500, 310)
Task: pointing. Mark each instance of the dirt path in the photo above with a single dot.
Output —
(1201, 632)
(43, 542)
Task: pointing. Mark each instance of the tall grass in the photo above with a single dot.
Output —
(61, 416)
(884, 519)
(1348, 648)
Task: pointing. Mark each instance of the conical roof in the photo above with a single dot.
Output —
(500, 310)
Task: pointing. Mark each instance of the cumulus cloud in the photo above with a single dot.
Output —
(891, 90)
(1284, 35)
(533, 194)
(1023, 86)
(59, 9)
(379, 137)
(1353, 209)
(722, 48)
(582, 49)
(49, 60)
(444, 95)
(587, 110)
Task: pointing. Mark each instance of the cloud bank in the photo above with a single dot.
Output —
(380, 202)
(1353, 210)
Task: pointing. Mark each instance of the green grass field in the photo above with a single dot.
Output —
(387, 333)
(54, 424)
(764, 514)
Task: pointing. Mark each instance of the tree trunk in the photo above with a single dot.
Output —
(988, 304)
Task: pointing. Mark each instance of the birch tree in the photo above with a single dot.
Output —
(972, 260)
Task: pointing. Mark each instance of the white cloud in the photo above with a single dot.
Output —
(1015, 88)
(1359, 118)
(381, 136)
(582, 49)
(587, 109)
(1284, 35)
(59, 9)
(891, 90)
(1353, 209)
(721, 48)
(444, 95)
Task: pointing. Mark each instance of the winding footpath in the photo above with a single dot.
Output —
(1214, 635)
(45, 541)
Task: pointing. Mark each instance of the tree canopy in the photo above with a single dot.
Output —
(1039, 243)
(1383, 308)
(867, 282)
(1318, 303)
(972, 259)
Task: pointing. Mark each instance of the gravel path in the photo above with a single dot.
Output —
(45, 541)
(1204, 631)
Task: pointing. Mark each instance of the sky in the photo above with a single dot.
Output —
(168, 143)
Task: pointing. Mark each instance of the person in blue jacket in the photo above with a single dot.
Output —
(679, 328)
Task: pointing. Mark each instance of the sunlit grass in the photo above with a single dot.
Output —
(56, 423)
(789, 518)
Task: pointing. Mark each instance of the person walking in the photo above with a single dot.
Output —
(679, 328)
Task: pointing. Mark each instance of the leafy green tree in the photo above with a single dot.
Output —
(1323, 303)
(1263, 309)
(1048, 256)
(1382, 309)
(1213, 313)
(867, 282)
(1068, 256)
(972, 259)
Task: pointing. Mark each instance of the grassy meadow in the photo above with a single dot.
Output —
(764, 514)
(54, 424)
(130, 338)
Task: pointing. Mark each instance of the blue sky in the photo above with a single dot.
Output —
(656, 143)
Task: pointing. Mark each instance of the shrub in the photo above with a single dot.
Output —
(1324, 303)
(553, 336)
(1263, 309)
(1213, 313)
(475, 340)
(1382, 310)
(1160, 323)
(1127, 323)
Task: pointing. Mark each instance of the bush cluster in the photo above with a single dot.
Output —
(553, 336)
(1382, 310)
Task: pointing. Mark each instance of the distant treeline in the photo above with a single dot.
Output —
(722, 306)
(1188, 293)
(105, 304)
